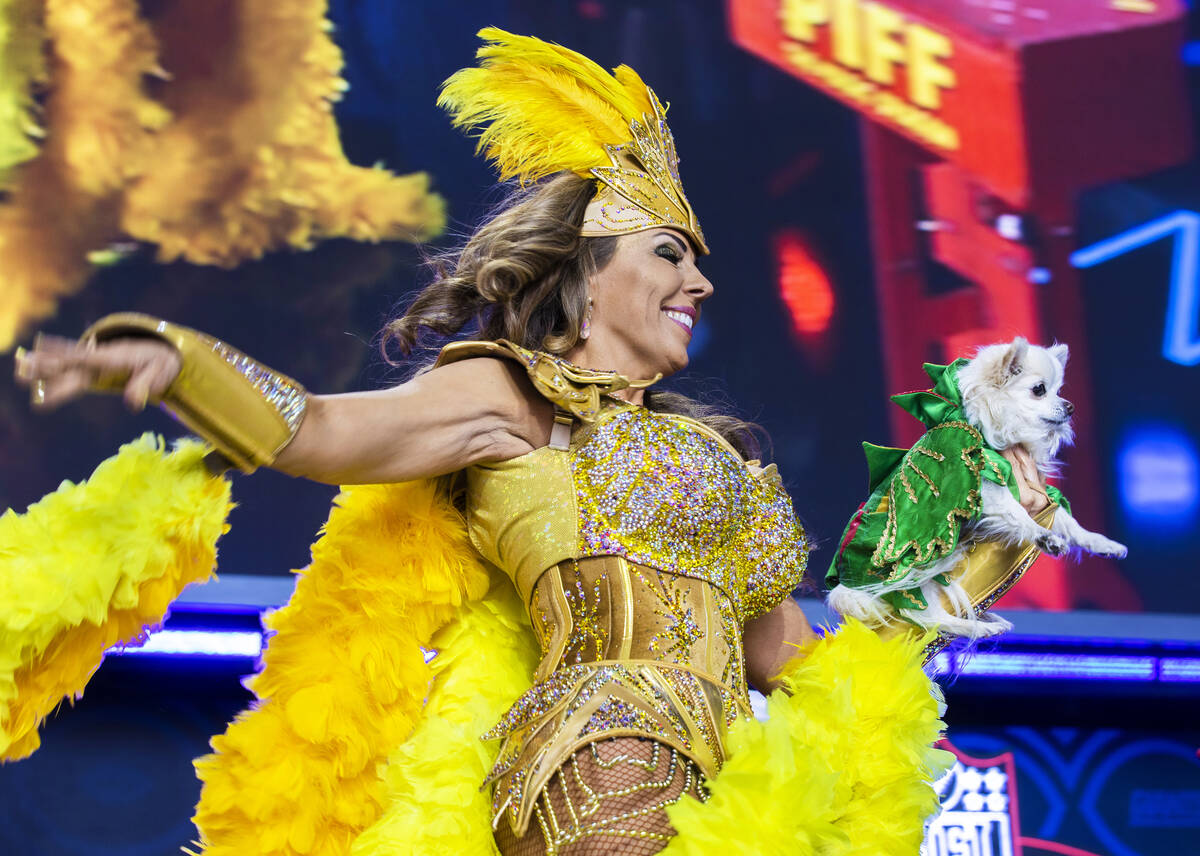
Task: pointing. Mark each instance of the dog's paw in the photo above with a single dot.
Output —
(1052, 545)
(1098, 545)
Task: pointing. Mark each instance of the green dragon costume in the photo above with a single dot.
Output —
(920, 497)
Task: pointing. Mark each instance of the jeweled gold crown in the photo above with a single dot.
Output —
(540, 108)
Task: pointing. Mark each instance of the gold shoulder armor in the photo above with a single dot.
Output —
(247, 411)
(569, 387)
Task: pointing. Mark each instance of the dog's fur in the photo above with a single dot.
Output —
(1010, 394)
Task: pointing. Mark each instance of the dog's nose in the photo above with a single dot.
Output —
(1068, 406)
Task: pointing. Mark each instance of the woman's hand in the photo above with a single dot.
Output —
(1030, 483)
(59, 370)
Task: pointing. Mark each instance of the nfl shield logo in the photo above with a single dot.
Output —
(979, 809)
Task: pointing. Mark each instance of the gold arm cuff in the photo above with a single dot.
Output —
(247, 411)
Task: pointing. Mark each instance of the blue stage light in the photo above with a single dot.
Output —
(193, 643)
(1054, 665)
(1107, 667)
(1159, 477)
(1179, 669)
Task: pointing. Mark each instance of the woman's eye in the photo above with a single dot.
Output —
(670, 253)
(1039, 390)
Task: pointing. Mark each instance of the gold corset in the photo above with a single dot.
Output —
(626, 651)
(607, 608)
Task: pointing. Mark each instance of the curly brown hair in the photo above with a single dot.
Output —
(523, 276)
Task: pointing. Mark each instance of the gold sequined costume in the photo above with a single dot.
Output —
(640, 550)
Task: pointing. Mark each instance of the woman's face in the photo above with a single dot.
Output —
(645, 303)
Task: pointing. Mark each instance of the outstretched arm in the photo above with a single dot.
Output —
(465, 413)
(451, 417)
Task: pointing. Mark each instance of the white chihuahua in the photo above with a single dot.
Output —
(1010, 394)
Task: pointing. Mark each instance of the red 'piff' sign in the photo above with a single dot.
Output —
(1034, 97)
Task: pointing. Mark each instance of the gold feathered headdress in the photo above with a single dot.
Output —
(541, 108)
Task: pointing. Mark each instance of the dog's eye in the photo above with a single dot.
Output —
(1039, 390)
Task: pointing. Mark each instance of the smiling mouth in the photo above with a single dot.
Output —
(683, 319)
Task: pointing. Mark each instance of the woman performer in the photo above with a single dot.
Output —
(654, 556)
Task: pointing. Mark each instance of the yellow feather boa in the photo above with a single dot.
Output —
(233, 153)
(485, 659)
(61, 204)
(251, 160)
(343, 678)
(357, 746)
(93, 564)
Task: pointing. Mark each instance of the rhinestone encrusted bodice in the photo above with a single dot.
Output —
(666, 492)
(657, 489)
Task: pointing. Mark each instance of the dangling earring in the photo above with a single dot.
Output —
(586, 329)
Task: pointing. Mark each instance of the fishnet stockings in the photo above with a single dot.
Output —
(609, 797)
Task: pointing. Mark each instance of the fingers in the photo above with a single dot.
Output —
(66, 355)
(151, 379)
(22, 369)
(57, 370)
(145, 380)
(26, 373)
(57, 390)
(50, 355)
(1033, 501)
(54, 371)
(46, 344)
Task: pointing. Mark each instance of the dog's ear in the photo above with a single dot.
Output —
(1060, 353)
(1011, 361)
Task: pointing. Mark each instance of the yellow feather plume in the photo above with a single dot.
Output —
(485, 660)
(97, 116)
(233, 152)
(541, 108)
(93, 564)
(251, 161)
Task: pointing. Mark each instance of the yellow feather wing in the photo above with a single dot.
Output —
(844, 766)
(343, 680)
